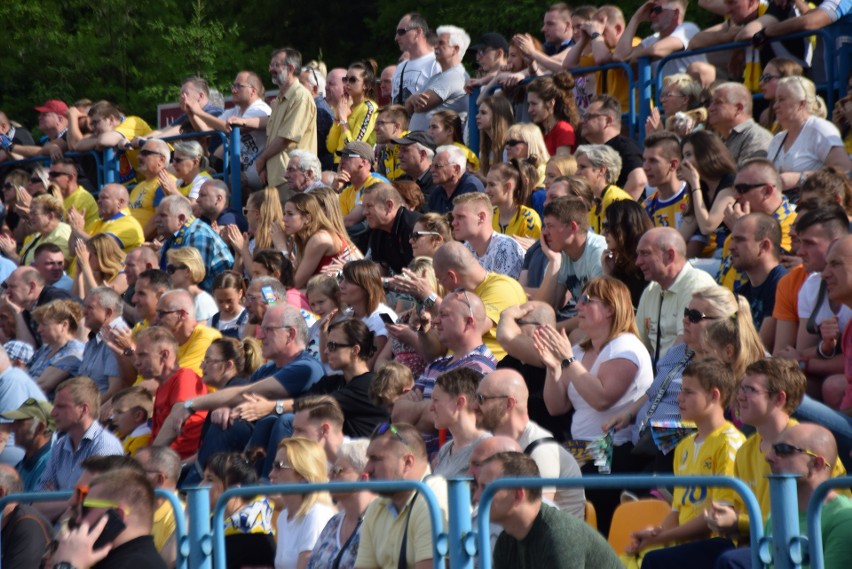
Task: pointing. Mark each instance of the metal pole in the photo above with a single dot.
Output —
(458, 497)
(200, 536)
(235, 169)
(110, 166)
(643, 83)
(787, 552)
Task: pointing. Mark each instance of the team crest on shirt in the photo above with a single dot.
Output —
(708, 464)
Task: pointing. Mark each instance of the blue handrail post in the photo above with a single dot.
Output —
(472, 131)
(458, 498)
(110, 166)
(200, 535)
(787, 550)
(236, 168)
(643, 84)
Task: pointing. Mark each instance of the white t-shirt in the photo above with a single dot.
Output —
(299, 534)
(205, 306)
(810, 149)
(554, 461)
(375, 323)
(684, 33)
(807, 302)
(252, 142)
(412, 76)
(587, 421)
(449, 86)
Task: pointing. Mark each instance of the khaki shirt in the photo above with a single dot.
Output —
(294, 118)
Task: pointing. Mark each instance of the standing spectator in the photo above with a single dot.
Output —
(551, 106)
(356, 112)
(493, 120)
(444, 90)
(193, 91)
(326, 91)
(412, 36)
(392, 123)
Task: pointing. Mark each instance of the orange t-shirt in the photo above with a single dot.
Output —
(787, 295)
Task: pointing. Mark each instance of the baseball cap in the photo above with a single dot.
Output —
(492, 40)
(32, 409)
(419, 136)
(357, 149)
(53, 106)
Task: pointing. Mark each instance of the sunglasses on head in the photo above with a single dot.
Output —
(383, 428)
(696, 316)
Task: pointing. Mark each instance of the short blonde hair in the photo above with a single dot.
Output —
(190, 257)
(308, 460)
(50, 204)
(531, 135)
(61, 310)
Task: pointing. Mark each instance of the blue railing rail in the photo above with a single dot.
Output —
(616, 482)
(45, 159)
(199, 510)
(61, 496)
(815, 505)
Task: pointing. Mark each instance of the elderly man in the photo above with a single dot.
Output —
(33, 428)
(730, 115)
(398, 523)
(415, 155)
(535, 534)
(63, 173)
(212, 206)
(444, 90)
(247, 93)
(602, 125)
(412, 36)
(156, 357)
(292, 123)
(449, 173)
(154, 159)
(391, 224)
(759, 188)
(661, 256)
(102, 308)
(501, 408)
(26, 533)
(112, 217)
(176, 313)
(162, 466)
(386, 85)
(304, 171)
(175, 222)
(194, 91)
(316, 83)
(49, 261)
(473, 217)
(26, 290)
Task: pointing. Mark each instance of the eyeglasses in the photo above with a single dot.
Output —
(766, 78)
(403, 31)
(334, 346)
(247, 210)
(145, 152)
(415, 235)
(281, 465)
(749, 390)
(746, 188)
(513, 142)
(172, 269)
(671, 94)
(481, 398)
(786, 449)
(466, 301)
(696, 316)
(161, 313)
(657, 10)
(177, 159)
(351, 80)
(235, 86)
(436, 165)
(586, 300)
(590, 116)
(52, 174)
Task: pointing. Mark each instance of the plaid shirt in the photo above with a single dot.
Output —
(195, 233)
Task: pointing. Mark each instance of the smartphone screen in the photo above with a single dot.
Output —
(268, 295)
(386, 318)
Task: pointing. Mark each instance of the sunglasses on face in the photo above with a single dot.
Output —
(482, 398)
(351, 80)
(586, 300)
(786, 449)
(334, 346)
(172, 269)
(415, 235)
(766, 77)
(144, 152)
(281, 465)
(513, 142)
(696, 316)
(657, 10)
(746, 188)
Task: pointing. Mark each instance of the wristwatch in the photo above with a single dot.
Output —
(568, 361)
(430, 300)
(594, 35)
(188, 405)
(63, 565)
(128, 352)
(279, 407)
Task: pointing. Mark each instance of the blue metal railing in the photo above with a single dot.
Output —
(45, 159)
(814, 539)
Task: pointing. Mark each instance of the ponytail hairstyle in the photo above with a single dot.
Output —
(244, 353)
(232, 468)
(558, 88)
(737, 331)
(515, 171)
(369, 69)
(451, 121)
(358, 334)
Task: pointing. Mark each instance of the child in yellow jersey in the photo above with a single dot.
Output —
(509, 186)
(131, 409)
(707, 387)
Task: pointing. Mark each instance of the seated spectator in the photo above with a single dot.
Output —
(807, 142)
(322, 293)
(147, 194)
(493, 120)
(356, 112)
(774, 71)
(709, 170)
(356, 160)
(175, 222)
(391, 225)
(212, 206)
(430, 232)
(392, 123)
(559, 538)
(265, 216)
(473, 224)
(391, 382)
(190, 169)
(59, 356)
(339, 541)
(102, 309)
(559, 166)
(452, 407)
(412, 195)
(162, 467)
(100, 263)
(551, 106)
(49, 261)
(525, 141)
(449, 173)
(415, 156)
(186, 269)
(176, 312)
(46, 220)
(509, 187)
(445, 127)
(229, 292)
(132, 409)
(20, 353)
(304, 171)
(623, 225)
(63, 174)
(26, 533)
(26, 290)
(600, 166)
(33, 428)
(114, 219)
(730, 114)
(303, 516)
(669, 205)
(249, 533)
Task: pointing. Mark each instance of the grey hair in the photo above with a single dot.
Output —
(164, 459)
(176, 205)
(602, 155)
(277, 287)
(162, 148)
(316, 78)
(292, 57)
(193, 149)
(293, 318)
(355, 453)
(307, 161)
(430, 154)
(10, 480)
(458, 37)
(454, 155)
(736, 94)
(107, 299)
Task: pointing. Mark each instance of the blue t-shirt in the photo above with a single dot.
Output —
(440, 203)
(296, 377)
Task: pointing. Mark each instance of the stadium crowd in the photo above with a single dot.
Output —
(388, 304)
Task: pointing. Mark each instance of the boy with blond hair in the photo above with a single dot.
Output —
(391, 382)
(131, 409)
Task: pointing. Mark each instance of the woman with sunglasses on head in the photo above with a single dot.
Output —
(303, 516)
(625, 221)
(265, 228)
(808, 141)
(599, 378)
(186, 269)
(189, 165)
(100, 262)
(337, 545)
(249, 530)
(776, 69)
(356, 112)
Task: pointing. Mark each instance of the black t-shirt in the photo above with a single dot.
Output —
(559, 425)
(360, 414)
(25, 538)
(249, 550)
(761, 299)
(631, 156)
(393, 250)
(139, 553)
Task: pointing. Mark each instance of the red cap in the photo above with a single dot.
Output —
(53, 106)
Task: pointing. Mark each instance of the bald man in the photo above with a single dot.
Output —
(176, 313)
(113, 218)
(501, 407)
(661, 256)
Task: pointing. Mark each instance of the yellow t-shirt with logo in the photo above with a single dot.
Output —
(525, 223)
(145, 198)
(597, 214)
(191, 352)
(670, 212)
(350, 198)
(84, 202)
(124, 227)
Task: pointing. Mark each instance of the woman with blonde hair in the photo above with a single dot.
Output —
(776, 69)
(317, 243)
(61, 352)
(524, 140)
(264, 214)
(560, 165)
(807, 142)
(303, 516)
(190, 168)
(46, 220)
(186, 268)
(100, 262)
(493, 120)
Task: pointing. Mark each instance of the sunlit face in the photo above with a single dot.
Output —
(556, 28)
(515, 61)
(213, 367)
(65, 411)
(594, 315)
(649, 260)
(721, 113)
(440, 133)
(467, 221)
(814, 243)
(64, 176)
(294, 220)
(344, 355)
(409, 36)
(275, 337)
(555, 191)
(149, 359)
(385, 459)
(693, 401)
(516, 149)
(255, 305)
(451, 319)
(320, 303)
(754, 401)
(167, 222)
(551, 172)
(762, 182)
(673, 100)
(489, 59)
(94, 314)
(386, 128)
(838, 272)
(595, 176)
(539, 109)
(124, 418)
(408, 157)
(744, 248)
(351, 294)
(53, 332)
(307, 428)
(689, 154)
(693, 334)
(353, 83)
(657, 167)
(555, 233)
(443, 171)
(786, 106)
(109, 203)
(145, 299)
(665, 18)
(185, 167)
(498, 190)
(376, 212)
(769, 81)
(229, 301)
(445, 53)
(50, 265)
(491, 412)
(297, 179)
(40, 220)
(424, 245)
